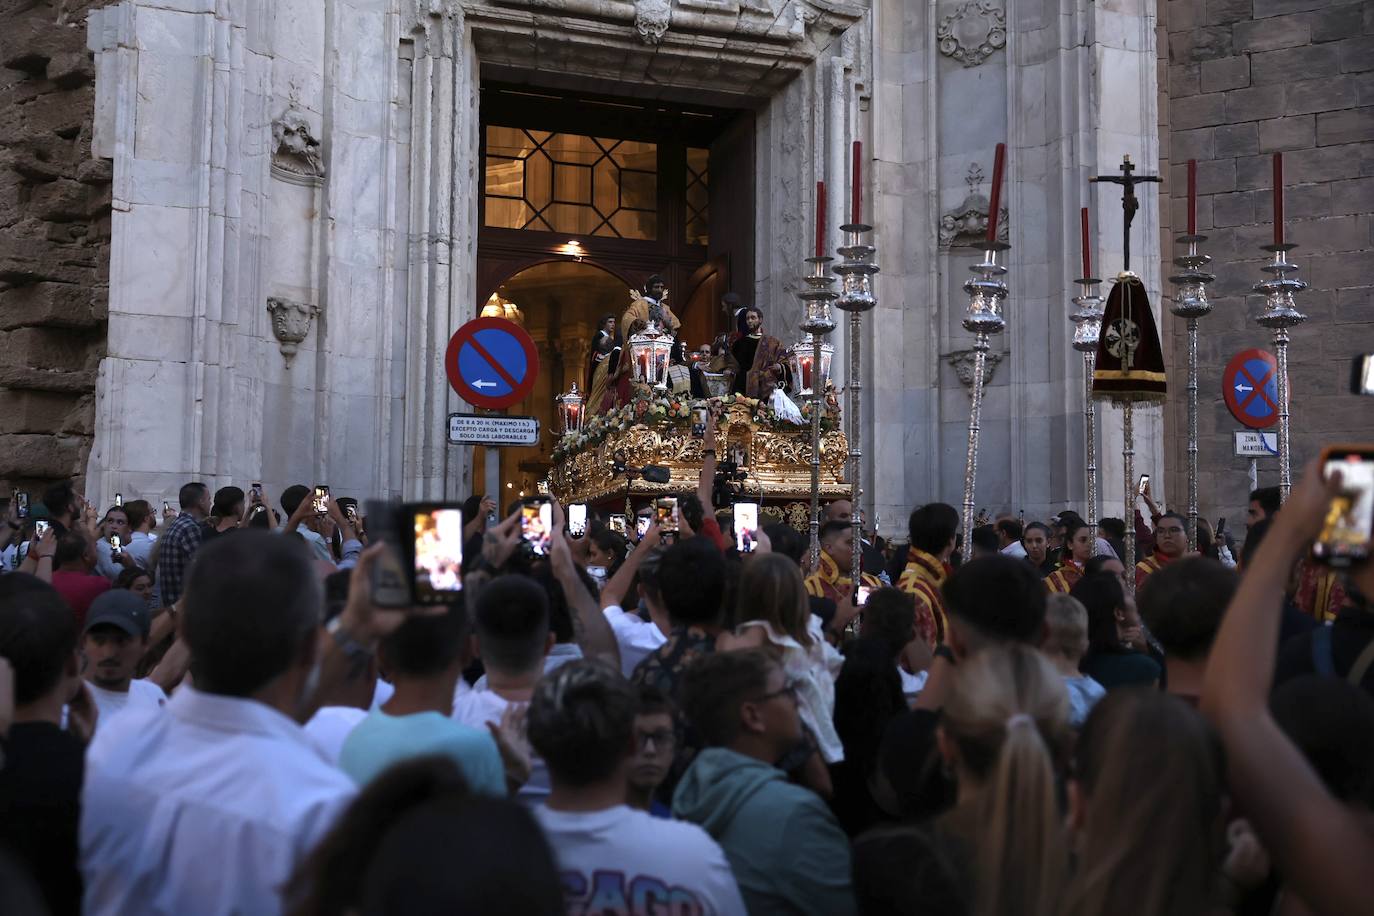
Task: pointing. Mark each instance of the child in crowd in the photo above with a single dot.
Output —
(1066, 642)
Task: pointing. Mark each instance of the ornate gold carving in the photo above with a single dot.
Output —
(779, 461)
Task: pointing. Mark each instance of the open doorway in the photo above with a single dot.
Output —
(560, 304)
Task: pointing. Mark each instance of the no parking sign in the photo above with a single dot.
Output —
(1250, 387)
(491, 363)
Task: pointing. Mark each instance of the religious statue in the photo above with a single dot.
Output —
(754, 359)
(602, 362)
(651, 305)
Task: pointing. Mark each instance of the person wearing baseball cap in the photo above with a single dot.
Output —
(115, 639)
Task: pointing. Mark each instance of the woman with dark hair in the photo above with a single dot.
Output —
(606, 551)
(602, 362)
(1112, 618)
(416, 841)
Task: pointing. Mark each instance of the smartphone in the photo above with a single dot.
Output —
(166, 507)
(861, 594)
(1349, 524)
(667, 514)
(536, 524)
(40, 528)
(699, 422)
(1141, 484)
(351, 511)
(436, 552)
(1220, 528)
(21, 502)
(1362, 375)
(642, 526)
(617, 524)
(321, 504)
(577, 519)
(119, 499)
(746, 526)
(116, 545)
(391, 585)
(255, 493)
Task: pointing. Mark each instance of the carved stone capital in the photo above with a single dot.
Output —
(290, 323)
(295, 152)
(962, 361)
(973, 32)
(652, 18)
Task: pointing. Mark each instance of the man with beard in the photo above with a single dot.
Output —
(755, 358)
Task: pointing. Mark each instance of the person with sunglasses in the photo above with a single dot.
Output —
(788, 852)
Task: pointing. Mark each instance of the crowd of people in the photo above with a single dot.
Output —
(209, 710)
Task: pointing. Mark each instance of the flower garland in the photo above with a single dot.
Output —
(647, 408)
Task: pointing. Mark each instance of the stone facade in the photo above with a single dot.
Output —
(1247, 78)
(54, 244)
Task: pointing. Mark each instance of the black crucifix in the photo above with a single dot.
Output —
(1129, 202)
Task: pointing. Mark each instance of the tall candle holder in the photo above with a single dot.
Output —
(817, 321)
(984, 317)
(1191, 303)
(856, 297)
(1087, 330)
(1280, 314)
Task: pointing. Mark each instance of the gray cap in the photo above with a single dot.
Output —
(121, 608)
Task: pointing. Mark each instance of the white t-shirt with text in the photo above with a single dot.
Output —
(621, 860)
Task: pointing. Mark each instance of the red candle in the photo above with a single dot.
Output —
(994, 207)
(820, 219)
(856, 206)
(1278, 198)
(1087, 253)
(1192, 197)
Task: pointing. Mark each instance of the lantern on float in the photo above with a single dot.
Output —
(570, 409)
(650, 350)
(802, 358)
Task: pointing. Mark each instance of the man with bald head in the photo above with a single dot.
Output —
(842, 510)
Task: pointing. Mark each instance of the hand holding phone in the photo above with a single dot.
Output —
(116, 546)
(119, 499)
(536, 524)
(1142, 487)
(321, 499)
(1348, 527)
(437, 552)
(666, 512)
(577, 519)
(255, 494)
(746, 526)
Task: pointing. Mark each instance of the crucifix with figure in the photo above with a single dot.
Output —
(1129, 202)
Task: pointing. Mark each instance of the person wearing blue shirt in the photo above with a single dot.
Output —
(424, 658)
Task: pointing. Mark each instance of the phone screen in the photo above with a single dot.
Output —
(256, 492)
(577, 520)
(115, 545)
(699, 422)
(321, 500)
(536, 524)
(438, 554)
(642, 526)
(746, 526)
(21, 500)
(861, 595)
(1349, 524)
(666, 509)
(1141, 484)
(40, 528)
(617, 524)
(119, 499)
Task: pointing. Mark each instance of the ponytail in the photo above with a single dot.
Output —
(1008, 715)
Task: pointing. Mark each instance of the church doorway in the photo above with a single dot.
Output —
(583, 198)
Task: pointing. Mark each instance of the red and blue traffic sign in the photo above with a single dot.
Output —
(491, 363)
(1250, 387)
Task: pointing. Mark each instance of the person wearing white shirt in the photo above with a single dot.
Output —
(1009, 533)
(635, 636)
(208, 806)
(511, 620)
(116, 637)
(581, 721)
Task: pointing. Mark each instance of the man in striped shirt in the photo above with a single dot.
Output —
(181, 541)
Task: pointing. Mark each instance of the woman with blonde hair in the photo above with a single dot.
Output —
(771, 600)
(1001, 849)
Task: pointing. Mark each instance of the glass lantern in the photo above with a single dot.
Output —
(570, 409)
(803, 354)
(650, 350)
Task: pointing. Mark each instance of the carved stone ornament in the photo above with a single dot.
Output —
(962, 361)
(295, 153)
(290, 323)
(973, 32)
(967, 224)
(652, 18)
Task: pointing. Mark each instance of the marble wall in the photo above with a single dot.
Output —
(323, 157)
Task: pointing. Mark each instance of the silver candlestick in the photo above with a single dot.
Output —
(1280, 314)
(818, 322)
(1191, 302)
(856, 297)
(984, 316)
(1087, 330)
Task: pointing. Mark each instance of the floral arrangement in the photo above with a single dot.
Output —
(652, 409)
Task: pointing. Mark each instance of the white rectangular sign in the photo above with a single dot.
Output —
(1252, 443)
(476, 429)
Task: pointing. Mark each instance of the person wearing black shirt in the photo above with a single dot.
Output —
(44, 764)
(990, 601)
